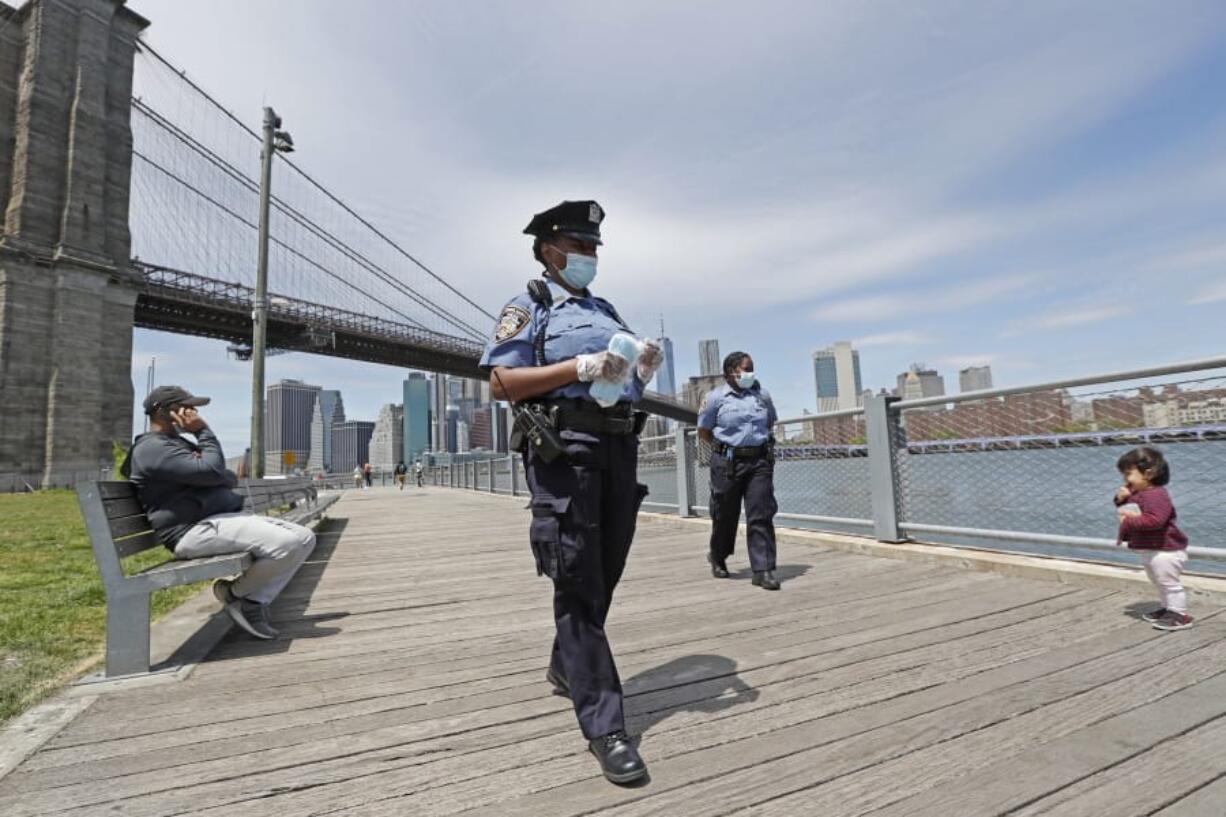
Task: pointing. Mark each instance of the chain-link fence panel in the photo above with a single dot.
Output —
(1045, 461)
(658, 471)
(821, 468)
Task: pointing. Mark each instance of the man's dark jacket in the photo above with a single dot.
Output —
(179, 482)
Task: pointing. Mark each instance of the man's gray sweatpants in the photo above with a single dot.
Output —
(278, 547)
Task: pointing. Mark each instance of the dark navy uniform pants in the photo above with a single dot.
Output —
(753, 482)
(584, 509)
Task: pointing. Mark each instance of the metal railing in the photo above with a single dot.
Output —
(1028, 468)
(494, 474)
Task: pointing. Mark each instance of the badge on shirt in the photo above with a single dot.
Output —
(511, 322)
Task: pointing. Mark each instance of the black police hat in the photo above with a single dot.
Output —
(577, 219)
(167, 396)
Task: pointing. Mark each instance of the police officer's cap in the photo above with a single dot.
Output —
(577, 219)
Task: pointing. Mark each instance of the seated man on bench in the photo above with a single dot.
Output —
(191, 503)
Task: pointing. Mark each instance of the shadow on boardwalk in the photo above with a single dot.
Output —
(699, 683)
(288, 613)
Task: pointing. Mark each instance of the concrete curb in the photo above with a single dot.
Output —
(26, 733)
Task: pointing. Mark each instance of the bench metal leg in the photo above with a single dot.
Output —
(127, 634)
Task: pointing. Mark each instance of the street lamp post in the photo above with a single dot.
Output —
(275, 140)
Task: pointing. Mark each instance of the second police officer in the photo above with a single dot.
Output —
(549, 345)
(736, 420)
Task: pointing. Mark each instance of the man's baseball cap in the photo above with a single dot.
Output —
(164, 397)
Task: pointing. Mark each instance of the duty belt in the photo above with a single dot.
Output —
(589, 418)
(741, 452)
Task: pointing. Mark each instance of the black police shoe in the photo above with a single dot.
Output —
(718, 568)
(560, 685)
(619, 760)
(766, 580)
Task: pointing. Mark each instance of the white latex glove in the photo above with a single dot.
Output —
(650, 360)
(601, 366)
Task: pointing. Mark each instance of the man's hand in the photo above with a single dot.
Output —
(188, 419)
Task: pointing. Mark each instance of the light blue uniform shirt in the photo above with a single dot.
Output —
(578, 325)
(739, 418)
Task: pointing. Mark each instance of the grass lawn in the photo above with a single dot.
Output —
(52, 606)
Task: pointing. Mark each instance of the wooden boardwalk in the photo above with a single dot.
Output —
(409, 681)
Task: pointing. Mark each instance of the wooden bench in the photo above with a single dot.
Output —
(117, 527)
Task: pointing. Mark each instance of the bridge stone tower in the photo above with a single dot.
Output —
(66, 294)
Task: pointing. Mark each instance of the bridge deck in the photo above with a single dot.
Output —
(409, 681)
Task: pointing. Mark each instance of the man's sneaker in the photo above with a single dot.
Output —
(252, 617)
(1174, 621)
(223, 590)
(1155, 615)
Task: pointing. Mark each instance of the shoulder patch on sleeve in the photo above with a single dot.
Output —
(511, 322)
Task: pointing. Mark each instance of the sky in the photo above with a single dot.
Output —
(1040, 187)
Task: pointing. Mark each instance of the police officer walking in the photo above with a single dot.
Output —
(736, 420)
(581, 461)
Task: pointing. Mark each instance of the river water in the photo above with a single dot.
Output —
(1058, 490)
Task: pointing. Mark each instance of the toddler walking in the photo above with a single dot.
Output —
(1147, 524)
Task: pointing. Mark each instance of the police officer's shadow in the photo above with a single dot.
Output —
(783, 572)
(694, 683)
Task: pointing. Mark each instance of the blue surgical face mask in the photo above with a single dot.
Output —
(746, 380)
(580, 270)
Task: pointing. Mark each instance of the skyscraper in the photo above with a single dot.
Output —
(438, 411)
(287, 426)
(920, 381)
(481, 428)
(708, 358)
(416, 416)
(836, 371)
(666, 377)
(351, 444)
(329, 409)
(975, 378)
(387, 439)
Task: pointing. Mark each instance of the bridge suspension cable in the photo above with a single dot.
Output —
(298, 217)
(194, 206)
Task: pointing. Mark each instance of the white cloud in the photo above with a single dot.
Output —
(1210, 294)
(900, 338)
(1066, 319)
(923, 302)
(966, 361)
(1210, 254)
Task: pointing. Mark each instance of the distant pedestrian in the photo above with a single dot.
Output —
(358, 479)
(418, 472)
(402, 474)
(737, 420)
(368, 471)
(1147, 524)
